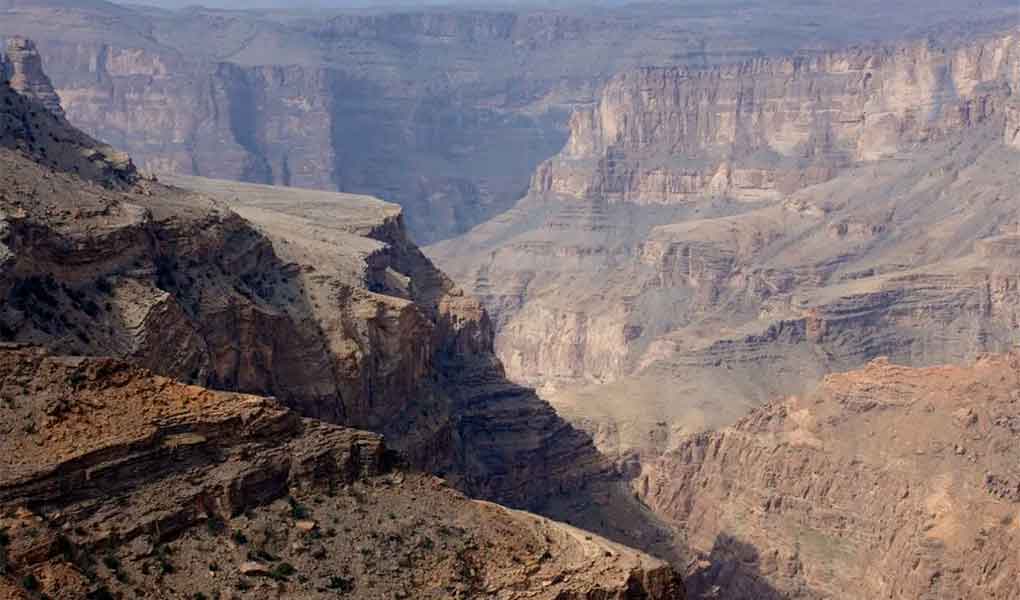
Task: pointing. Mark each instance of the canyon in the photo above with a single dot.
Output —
(132, 475)
(736, 233)
(446, 111)
(732, 286)
(710, 240)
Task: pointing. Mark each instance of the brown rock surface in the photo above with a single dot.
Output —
(319, 299)
(122, 481)
(887, 482)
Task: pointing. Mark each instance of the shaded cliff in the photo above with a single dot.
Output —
(22, 69)
(318, 299)
(347, 321)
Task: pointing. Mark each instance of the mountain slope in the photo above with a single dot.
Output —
(124, 483)
(888, 482)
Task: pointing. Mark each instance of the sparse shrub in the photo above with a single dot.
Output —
(341, 584)
(239, 537)
(215, 525)
(282, 571)
(101, 593)
(103, 285)
(65, 548)
(111, 562)
(30, 583)
(297, 510)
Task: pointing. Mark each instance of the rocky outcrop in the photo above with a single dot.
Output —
(25, 74)
(116, 480)
(317, 298)
(1012, 132)
(886, 482)
(30, 123)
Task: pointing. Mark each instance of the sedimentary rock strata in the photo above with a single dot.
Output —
(888, 482)
(23, 71)
(119, 481)
(341, 318)
(444, 111)
(758, 285)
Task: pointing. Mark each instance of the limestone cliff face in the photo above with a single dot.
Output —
(319, 299)
(605, 289)
(259, 124)
(763, 128)
(886, 482)
(327, 127)
(445, 111)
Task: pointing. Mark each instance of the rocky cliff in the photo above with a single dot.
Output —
(444, 111)
(118, 481)
(605, 296)
(649, 304)
(764, 128)
(1012, 132)
(319, 299)
(316, 298)
(340, 317)
(23, 71)
(887, 482)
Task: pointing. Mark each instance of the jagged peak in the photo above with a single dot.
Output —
(33, 122)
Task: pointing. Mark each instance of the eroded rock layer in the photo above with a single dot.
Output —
(117, 481)
(887, 482)
(332, 310)
(764, 128)
(23, 71)
(122, 474)
(604, 290)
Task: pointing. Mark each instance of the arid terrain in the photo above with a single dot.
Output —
(725, 295)
(127, 301)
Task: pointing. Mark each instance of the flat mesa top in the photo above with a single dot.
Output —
(351, 211)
